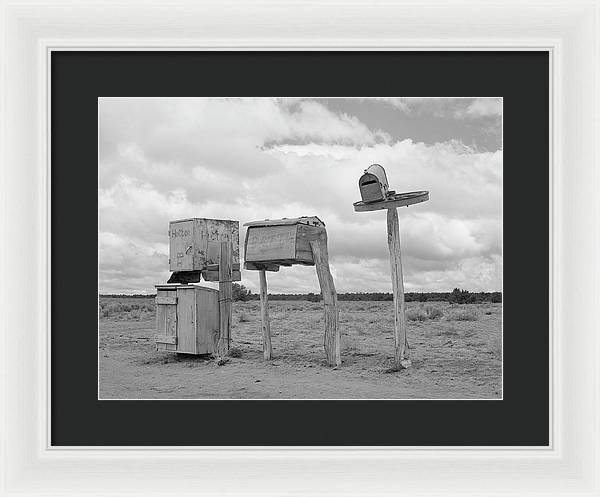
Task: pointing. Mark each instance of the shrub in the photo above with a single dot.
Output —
(234, 352)
(416, 315)
(463, 315)
(240, 293)
(312, 297)
(433, 312)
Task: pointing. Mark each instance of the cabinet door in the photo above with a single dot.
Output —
(166, 320)
(207, 316)
(186, 320)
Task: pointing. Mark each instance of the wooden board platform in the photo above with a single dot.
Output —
(397, 200)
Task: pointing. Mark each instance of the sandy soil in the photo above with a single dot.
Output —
(450, 358)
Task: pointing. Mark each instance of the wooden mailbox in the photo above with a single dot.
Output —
(187, 318)
(271, 243)
(194, 249)
(283, 242)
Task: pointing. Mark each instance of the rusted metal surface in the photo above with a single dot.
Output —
(194, 243)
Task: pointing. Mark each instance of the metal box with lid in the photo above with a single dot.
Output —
(271, 243)
(373, 184)
(194, 248)
(187, 318)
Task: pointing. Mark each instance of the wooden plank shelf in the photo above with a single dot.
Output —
(393, 201)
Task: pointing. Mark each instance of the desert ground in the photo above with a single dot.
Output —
(456, 353)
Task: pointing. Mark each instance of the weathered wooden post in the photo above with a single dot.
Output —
(401, 358)
(375, 193)
(283, 242)
(225, 297)
(332, 339)
(264, 315)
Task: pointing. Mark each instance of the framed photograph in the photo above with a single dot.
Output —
(247, 244)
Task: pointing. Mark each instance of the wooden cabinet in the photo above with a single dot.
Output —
(187, 318)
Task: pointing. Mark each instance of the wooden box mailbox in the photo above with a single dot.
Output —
(373, 184)
(187, 318)
(194, 248)
(271, 243)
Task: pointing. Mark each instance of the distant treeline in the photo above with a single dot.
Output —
(456, 296)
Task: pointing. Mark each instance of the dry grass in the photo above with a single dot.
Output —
(424, 313)
(462, 315)
(127, 309)
(416, 315)
(445, 358)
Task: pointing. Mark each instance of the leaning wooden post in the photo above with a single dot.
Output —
(225, 297)
(332, 329)
(401, 356)
(264, 314)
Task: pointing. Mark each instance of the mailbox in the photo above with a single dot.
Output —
(271, 243)
(373, 184)
(195, 245)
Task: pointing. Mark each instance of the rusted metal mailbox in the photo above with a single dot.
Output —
(187, 318)
(373, 184)
(271, 243)
(194, 248)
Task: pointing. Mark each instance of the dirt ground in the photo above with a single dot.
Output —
(456, 354)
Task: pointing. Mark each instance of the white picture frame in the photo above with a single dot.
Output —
(568, 30)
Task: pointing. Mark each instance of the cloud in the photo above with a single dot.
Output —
(483, 107)
(249, 159)
(460, 108)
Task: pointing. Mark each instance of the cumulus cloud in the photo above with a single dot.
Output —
(249, 159)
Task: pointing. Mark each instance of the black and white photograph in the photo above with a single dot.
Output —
(300, 248)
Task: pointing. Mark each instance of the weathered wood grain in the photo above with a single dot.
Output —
(195, 243)
(264, 314)
(187, 326)
(331, 341)
(269, 243)
(207, 319)
(401, 356)
(165, 339)
(397, 200)
(166, 299)
(257, 266)
(166, 320)
(225, 296)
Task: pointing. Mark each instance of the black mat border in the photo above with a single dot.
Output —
(78, 418)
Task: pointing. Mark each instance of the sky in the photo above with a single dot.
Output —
(247, 159)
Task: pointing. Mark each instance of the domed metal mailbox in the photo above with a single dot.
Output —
(373, 184)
